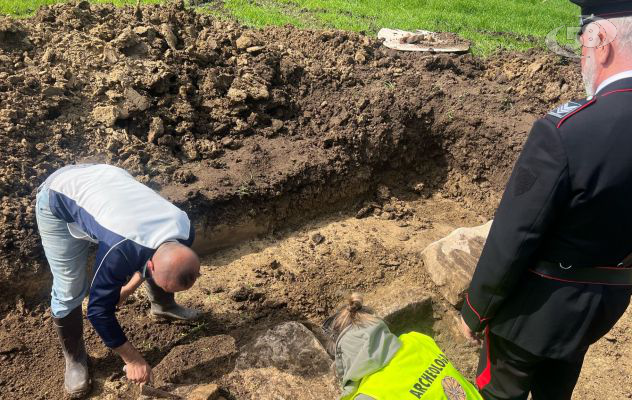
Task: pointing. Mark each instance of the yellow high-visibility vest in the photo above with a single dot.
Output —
(419, 370)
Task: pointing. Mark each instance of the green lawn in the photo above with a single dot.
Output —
(489, 24)
(27, 7)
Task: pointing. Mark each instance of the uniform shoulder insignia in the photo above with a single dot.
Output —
(567, 108)
(564, 111)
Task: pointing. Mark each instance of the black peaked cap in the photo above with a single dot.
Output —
(605, 8)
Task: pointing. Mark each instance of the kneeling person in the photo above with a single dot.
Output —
(139, 235)
(374, 364)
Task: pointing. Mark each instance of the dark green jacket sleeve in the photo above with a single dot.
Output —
(539, 188)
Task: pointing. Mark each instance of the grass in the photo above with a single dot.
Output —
(261, 14)
(489, 24)
(23, 8)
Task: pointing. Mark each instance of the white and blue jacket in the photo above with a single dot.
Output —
(128, 220)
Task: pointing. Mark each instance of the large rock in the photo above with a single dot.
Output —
(198, 362)
(289, 347)
(451, 261)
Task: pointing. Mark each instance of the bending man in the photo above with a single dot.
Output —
(139, 235)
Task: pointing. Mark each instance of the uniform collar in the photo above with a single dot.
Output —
(614, 78)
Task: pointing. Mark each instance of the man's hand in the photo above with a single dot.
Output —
(138, 372)
(472, 337)
(137, 369)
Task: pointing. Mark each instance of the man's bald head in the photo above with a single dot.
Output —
(174, 267)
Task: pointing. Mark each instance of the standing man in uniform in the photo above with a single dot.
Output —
(139, 235)
(555, 275)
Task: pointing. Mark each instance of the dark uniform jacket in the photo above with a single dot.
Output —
(569, 201)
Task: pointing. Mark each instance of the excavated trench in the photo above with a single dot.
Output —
(316, 193)
(312, 163)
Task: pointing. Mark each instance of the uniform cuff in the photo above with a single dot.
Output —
(472, 317)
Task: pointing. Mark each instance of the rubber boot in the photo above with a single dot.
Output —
(70, 331)
(163, 304)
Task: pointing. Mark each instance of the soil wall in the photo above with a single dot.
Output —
(250, 131)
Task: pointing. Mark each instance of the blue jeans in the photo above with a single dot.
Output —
(67, 257)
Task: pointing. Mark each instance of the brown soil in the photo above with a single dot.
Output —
(274, 141)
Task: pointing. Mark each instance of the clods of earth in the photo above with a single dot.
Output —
(313, 163)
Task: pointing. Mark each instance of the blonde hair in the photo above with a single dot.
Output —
(353, 314)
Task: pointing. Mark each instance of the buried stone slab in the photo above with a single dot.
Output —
(289, 347)
(451, 261)
(197, 362)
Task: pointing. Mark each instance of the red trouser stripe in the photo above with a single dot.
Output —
(486, 376)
